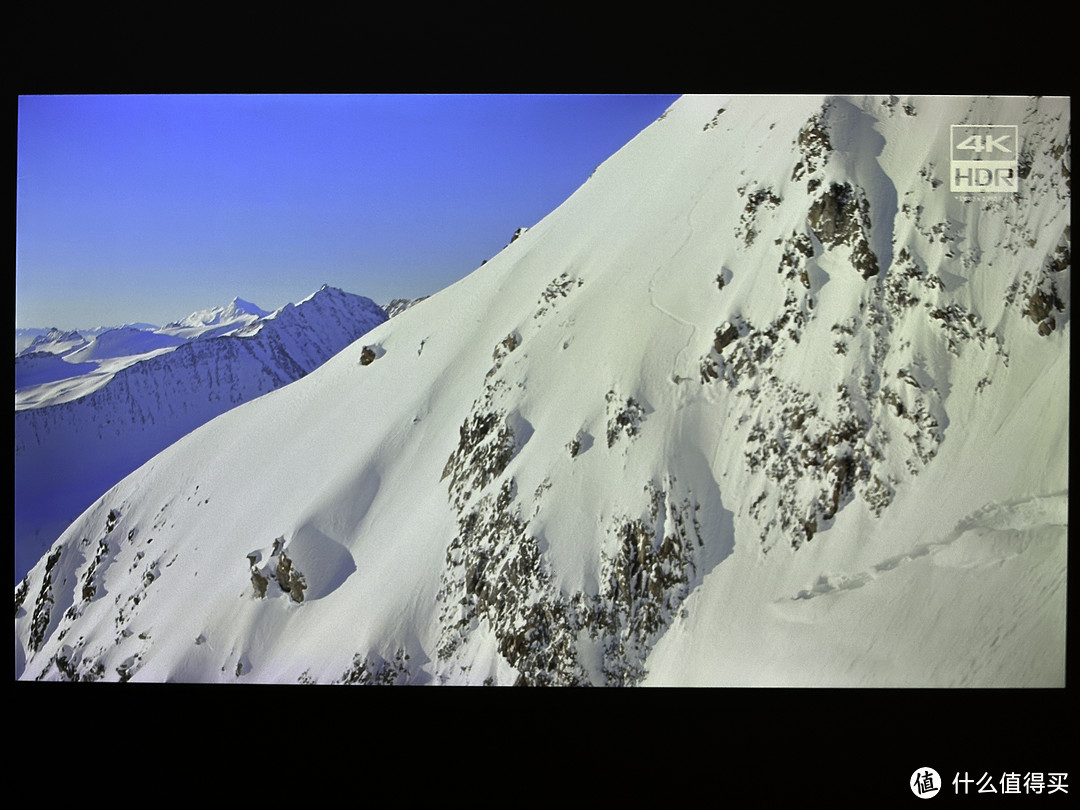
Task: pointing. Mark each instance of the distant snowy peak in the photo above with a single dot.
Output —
(235, 312)
(55, 341)
(326, 307)
(326, 293)
(55, 334)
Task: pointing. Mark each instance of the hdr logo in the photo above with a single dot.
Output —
(984, 157)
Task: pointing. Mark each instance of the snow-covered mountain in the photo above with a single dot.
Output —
(47, 341)
(109, 349)
(80, 435)
(122, 342)
(56, 341)
(763, 403)
(236, 311)
(216, 320)
(37, 351)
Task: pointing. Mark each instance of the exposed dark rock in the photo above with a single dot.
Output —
(279, 568)
(814, 146)
(556, 289)
(399, 305)
(504, 347)
(841, 216)
(624, 417)
(485, 446)
(644, 582)
(725, 335)
(762, 198)
(496, 576)
(797, 249)
(43, 605)
(20, 594)
(127, 669)
(65, 663)
(1040, 306)
(959, 327)
(289, 579)
(374, 670)
(1061, 258)
(714, 122)
(89, 589)
(259, 582)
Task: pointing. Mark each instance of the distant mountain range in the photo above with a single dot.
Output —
(89, 410)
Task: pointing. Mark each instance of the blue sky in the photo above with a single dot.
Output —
(148, 207)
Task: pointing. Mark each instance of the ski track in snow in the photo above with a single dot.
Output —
(1017, 515)
(660, 308)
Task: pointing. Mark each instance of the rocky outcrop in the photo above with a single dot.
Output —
(374, 670)
(624, 417)
(813, 146)
(277, 568)
(841, 217)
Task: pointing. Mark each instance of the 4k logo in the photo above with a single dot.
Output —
(986, 143)
(983, 157)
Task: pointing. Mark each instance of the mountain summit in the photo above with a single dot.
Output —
(236, 311)
(763, 403)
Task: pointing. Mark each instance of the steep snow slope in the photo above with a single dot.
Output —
(763, 403)
(110, 422)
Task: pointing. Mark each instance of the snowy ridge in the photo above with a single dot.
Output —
(39, 368)
(235, 312)
(50, 341)
(70, 450)
(122, 343)
(110, 349)
(762, 403)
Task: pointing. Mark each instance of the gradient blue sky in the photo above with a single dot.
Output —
(146, 208)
